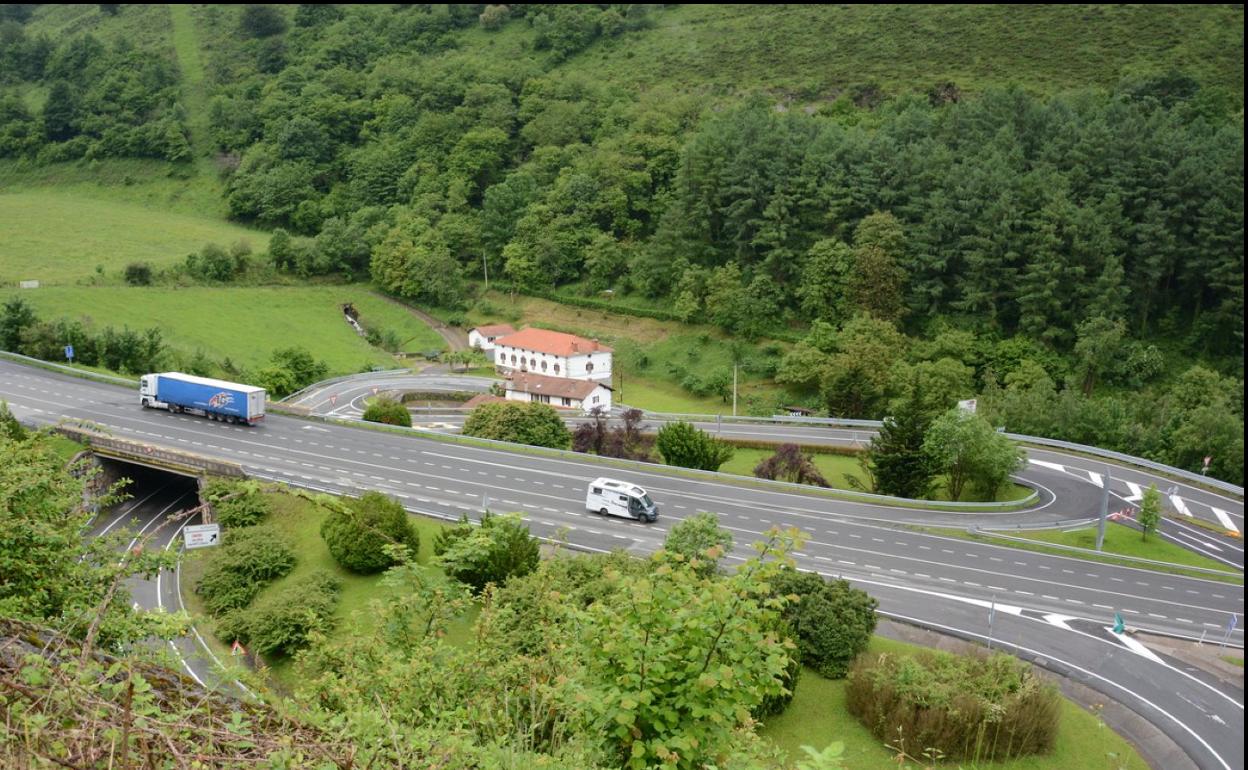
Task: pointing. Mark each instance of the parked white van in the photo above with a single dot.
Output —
(619, 498)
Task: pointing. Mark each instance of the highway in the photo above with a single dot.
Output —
(1051, 609)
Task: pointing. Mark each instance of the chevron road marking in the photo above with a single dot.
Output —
(1179, 505)
(1097, 479)
(1137, 493)
(1225, 519)
(1049, 465)
(1136, 647)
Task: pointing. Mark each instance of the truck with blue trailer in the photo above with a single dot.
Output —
(215, 399)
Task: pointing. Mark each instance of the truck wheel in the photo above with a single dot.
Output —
(602, 511)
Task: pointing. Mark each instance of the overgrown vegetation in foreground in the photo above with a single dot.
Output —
(550, 675)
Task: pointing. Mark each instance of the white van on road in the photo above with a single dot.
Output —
(619, 498)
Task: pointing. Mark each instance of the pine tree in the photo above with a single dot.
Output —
(902, 467)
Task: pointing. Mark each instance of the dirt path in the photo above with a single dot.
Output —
(457, 339)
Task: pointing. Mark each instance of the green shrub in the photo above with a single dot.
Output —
(522, 423)
(388, 411)
(139, 274)
(279, 623)
(984, 709)
(499, 549)
(247, 560)
(358, 532)
(237, 503)
(832, 621)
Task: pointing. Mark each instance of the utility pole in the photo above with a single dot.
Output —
(734, 390)
(485, 268)
(1100, 526)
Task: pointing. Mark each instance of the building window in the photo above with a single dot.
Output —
(567, 402)
(556, 368)
(543, 366)
(595, 399)
(589, 367)
(513, 358)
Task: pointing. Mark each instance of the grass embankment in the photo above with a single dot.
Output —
(60, 236)
(817, 716)
(300, 522)
(840, 469)
(1119, 541)
(246, 324)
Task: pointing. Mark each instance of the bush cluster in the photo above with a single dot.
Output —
(281, 621)
(247, 561)
(358, 532)
(832, 621)
(498, 550)
(388, 411)
(981, 709)
(237, 504)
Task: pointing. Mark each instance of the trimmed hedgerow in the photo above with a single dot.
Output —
(983, 709)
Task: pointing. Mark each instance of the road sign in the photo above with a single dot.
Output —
(333, 400)
(69, 353)
(203, 535)
(968, 405)
(238, 649)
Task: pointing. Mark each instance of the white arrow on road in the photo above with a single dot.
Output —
(1137, 494)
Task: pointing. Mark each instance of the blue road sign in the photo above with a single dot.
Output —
(69, 352)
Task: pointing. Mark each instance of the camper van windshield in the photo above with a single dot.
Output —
(646, 501)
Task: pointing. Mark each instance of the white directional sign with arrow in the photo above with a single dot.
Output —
(203, 535)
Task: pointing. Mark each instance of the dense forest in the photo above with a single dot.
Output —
(1109, 218)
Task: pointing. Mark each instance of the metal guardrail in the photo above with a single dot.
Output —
(828, 421)
(53, 366)
(1041, 441)
(140, 451)
(299, 393)
(641, 467)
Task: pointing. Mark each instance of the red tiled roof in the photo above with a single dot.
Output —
(552, 343)
(561, 387)
(481, 398)
(497, 330)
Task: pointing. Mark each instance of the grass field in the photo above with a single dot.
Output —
(245, 324)
(817, 717)
(59, 236)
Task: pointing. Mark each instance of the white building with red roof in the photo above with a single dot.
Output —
(559, 392)
(553, 354)
(483, 337)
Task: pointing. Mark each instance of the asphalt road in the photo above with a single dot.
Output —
(1050, 608)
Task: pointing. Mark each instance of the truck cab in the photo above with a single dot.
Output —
(609, 497)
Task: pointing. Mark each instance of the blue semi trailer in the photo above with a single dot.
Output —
(214, 399)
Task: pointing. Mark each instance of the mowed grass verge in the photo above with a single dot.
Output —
(245, 324)
(840, 469)
(818, 716)
(1119, 541)
(58, 238)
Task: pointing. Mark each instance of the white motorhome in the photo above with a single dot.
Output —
(619, 498)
